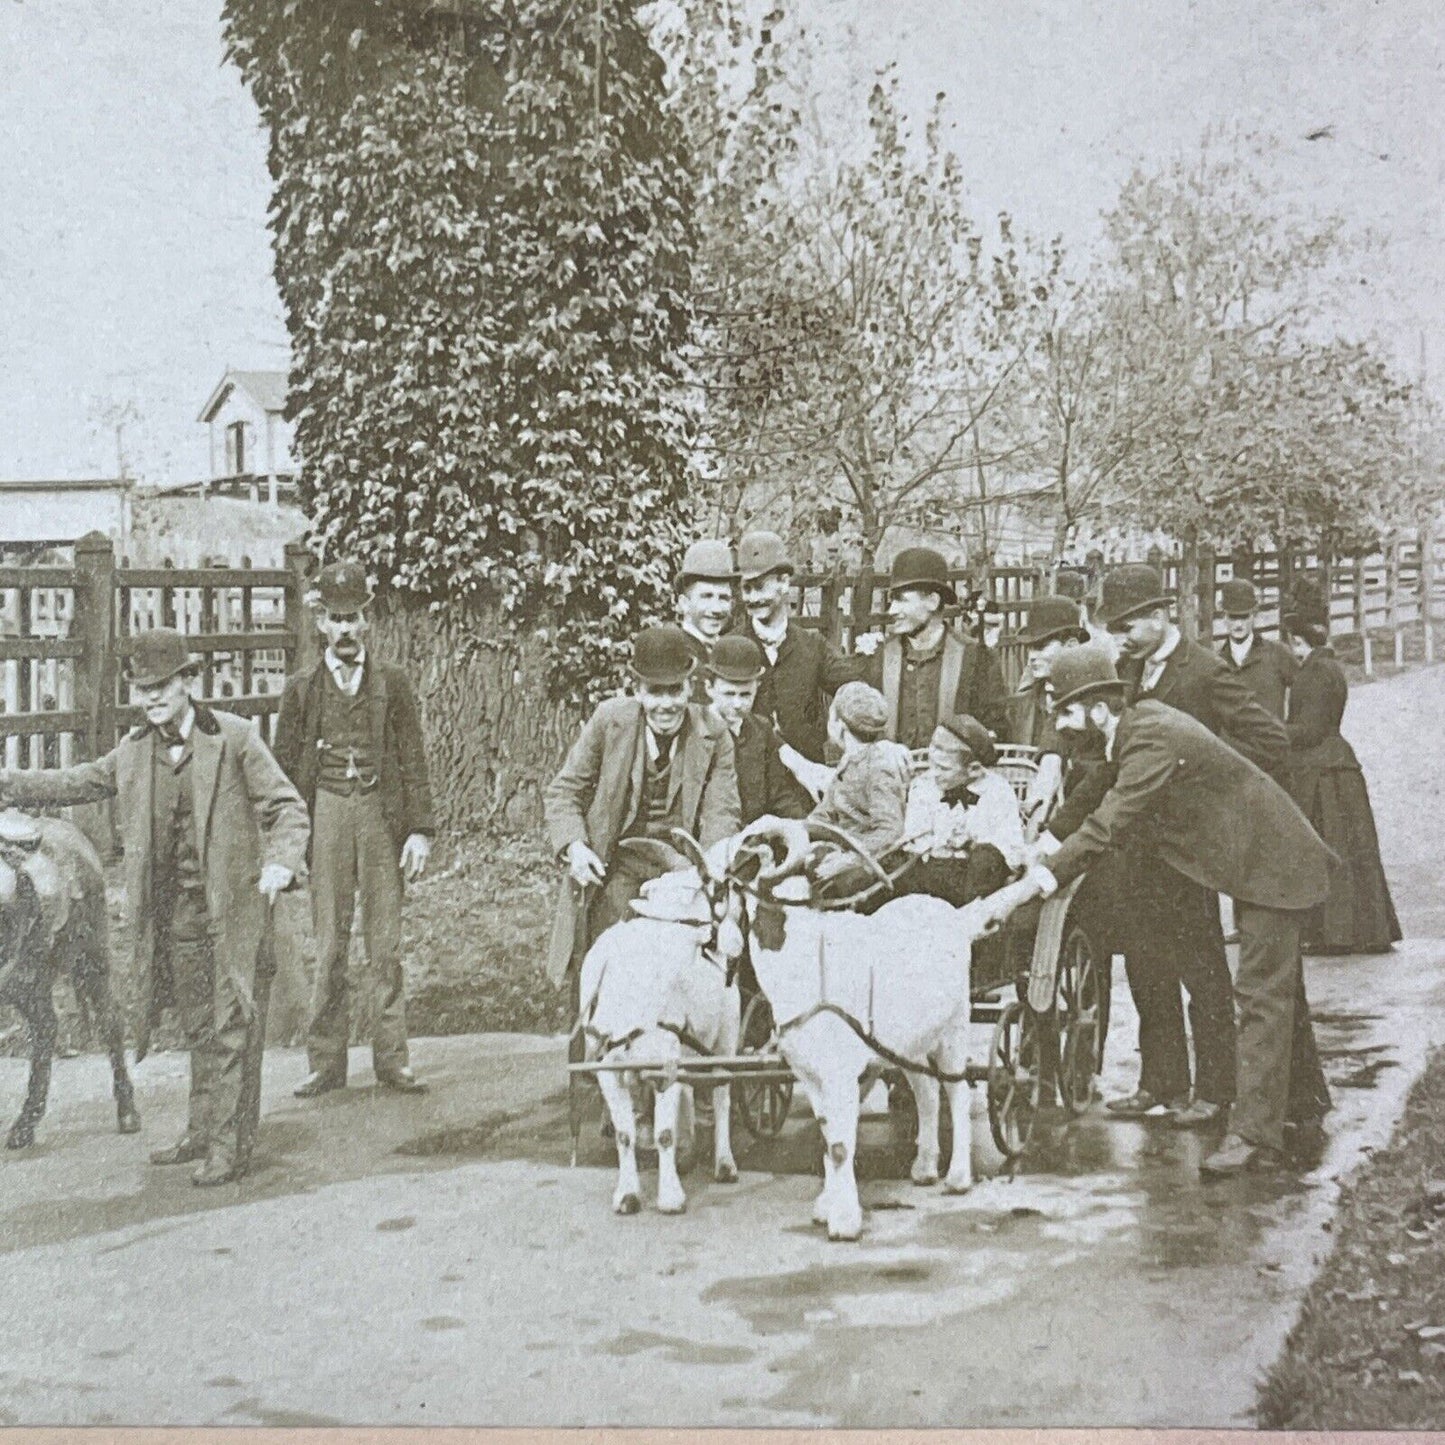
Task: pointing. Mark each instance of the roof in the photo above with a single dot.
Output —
(66, 484)
(266, 388)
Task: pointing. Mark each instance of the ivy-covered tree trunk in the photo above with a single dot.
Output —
(483, 241)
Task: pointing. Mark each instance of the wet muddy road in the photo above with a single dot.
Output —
(435, 1260)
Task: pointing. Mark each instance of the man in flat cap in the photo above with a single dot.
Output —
(349, 736)
(643, 765)
(1266, 667)
(1207, 813)
(704, 587)
(802, 669)
(926, 669)
(212, 832)
(735, 672)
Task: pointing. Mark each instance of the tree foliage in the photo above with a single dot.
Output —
(484, 234)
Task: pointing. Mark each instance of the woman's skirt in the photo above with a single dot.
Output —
(1358, 916)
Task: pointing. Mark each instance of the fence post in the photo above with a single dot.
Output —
(1394, 543)
(95, 670)
(1427, 583)
(298, 616)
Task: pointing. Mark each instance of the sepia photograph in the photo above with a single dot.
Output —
(722, 714)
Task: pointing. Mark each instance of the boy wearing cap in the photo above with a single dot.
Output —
(765, 785)
(1207, 813)
(349, 736)
(704, 587)
(642, 765)
(802, 669)
(212, 832)
(1266, 667)
(868, 796)
(925, 669)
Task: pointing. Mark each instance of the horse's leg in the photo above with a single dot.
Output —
(94, 982)
(627, 1197)
(925, 1158)
(38, 1010)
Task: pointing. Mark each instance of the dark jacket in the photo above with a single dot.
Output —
(1316, 709)
(980, 690)
(396, 743)
(1205, 811)
(1196, 681)
(796, 690)
(1268, 672)
(596, 795)
(765, 783)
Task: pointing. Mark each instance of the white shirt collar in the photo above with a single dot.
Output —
(707, 642)
(1155, 665)
(771, 636)
(1240, 650)
(656, 745)
(187, 722)
(349, 684)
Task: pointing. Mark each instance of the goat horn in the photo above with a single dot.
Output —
(795, 838)
(828, 833)
(691, 849)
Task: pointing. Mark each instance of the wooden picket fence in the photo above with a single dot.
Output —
(66, 632)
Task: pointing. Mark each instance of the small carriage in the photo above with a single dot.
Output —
(1041, 981)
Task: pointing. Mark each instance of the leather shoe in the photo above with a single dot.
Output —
(1201, 1114)
(1141, 1104)
(217, 1170)
(1238, 1156)
(185, 1150)
(319, 1082)
(402, 1080)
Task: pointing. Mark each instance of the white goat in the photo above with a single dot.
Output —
(903, 974)
(646, 982)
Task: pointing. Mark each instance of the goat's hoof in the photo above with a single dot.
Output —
(847, 1232)
(957, 1186)
(127, 1121)
(20, 1137)
(726, 1172)
(820, 1213)
(628, 1204)
(924, 1175)
(672, 1206)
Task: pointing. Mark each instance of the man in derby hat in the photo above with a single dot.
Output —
(349, 736)
(704, 587)
(801, 668)
(735, 672)
(212, 831)
(1213, 817)
(926, 669)
(1266, 667)
(642, 765)
(1050, 625)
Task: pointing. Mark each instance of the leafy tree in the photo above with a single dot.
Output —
(483, 240)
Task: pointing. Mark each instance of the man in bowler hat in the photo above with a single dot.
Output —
(643, 765)
(925, 669)
(801, 670)
(704, 588)
(349, 736)
(1266, 667)
(212, 831)
(1207, 813)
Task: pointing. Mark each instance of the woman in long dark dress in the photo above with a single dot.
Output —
(1327, 784)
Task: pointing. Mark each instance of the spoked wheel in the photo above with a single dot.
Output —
(1081, 1006)
(762, 1104)
(1014, 1079)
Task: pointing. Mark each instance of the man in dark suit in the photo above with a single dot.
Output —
(765, 785)
(643, 765)
(1266, 667)
(802, 670)
(1213, 817)
(925, 669)
(1172, 925)
(349, 736)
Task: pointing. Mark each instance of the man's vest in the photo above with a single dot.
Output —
(344, 754)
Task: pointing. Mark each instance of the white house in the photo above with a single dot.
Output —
(250, 437)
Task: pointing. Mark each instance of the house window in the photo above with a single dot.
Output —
(237, 459)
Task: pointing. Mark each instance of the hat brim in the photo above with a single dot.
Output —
(731, 674)
(1037, 639)
(945, 590)
(686, 579)
(1089, 691)
(756, 574)
(1239, 611)
(667, 679)
(1124, 614)
(151, 679)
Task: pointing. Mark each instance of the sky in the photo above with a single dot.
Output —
(133, 201)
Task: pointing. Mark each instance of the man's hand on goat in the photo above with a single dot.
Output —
(584, 865)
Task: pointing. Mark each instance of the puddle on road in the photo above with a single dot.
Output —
(678, 1351)
(280, 1419)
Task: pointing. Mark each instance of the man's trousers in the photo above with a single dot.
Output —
(354, 859)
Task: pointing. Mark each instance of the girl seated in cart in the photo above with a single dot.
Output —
(963, 819)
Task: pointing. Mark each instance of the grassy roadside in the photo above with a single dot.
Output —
(1368, 1350)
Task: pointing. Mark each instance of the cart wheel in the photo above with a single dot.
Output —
(1014, 1079)
(763, 1105)
(1079, 1002)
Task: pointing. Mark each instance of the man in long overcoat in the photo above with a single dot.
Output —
(212, 832)
(1212, 816)
(349, 736)
(643, 764)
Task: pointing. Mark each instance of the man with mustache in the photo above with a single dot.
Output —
(349, 736)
